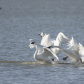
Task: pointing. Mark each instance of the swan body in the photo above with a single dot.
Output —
(42, 53)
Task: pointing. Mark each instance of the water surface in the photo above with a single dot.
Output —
(21, 20)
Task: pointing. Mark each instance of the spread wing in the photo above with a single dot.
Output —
(49, 52)
(72, 44)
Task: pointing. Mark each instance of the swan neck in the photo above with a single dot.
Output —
(35, 51)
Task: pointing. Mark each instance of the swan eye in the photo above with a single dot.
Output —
(32, 42)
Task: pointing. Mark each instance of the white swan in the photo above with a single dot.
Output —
(42, 53)
(47, 41)
(75, 51)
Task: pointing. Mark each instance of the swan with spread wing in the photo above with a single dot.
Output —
(47, 41)
(75, 51)
(43, 54)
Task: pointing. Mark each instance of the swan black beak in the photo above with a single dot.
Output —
(32, 42)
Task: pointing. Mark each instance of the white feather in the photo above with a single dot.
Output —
(81, 52)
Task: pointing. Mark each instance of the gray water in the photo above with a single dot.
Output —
(21, 20)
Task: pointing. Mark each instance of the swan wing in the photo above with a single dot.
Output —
(61, 38)
(46, 40)
(81, 52)
(49, 52)
(72, 44)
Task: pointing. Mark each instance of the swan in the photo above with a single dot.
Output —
(43, 54)
(75, 51)
(47, 41)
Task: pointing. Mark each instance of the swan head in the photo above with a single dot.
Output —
(32, 43)
(42, 34)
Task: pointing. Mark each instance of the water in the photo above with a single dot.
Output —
(21, 20)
